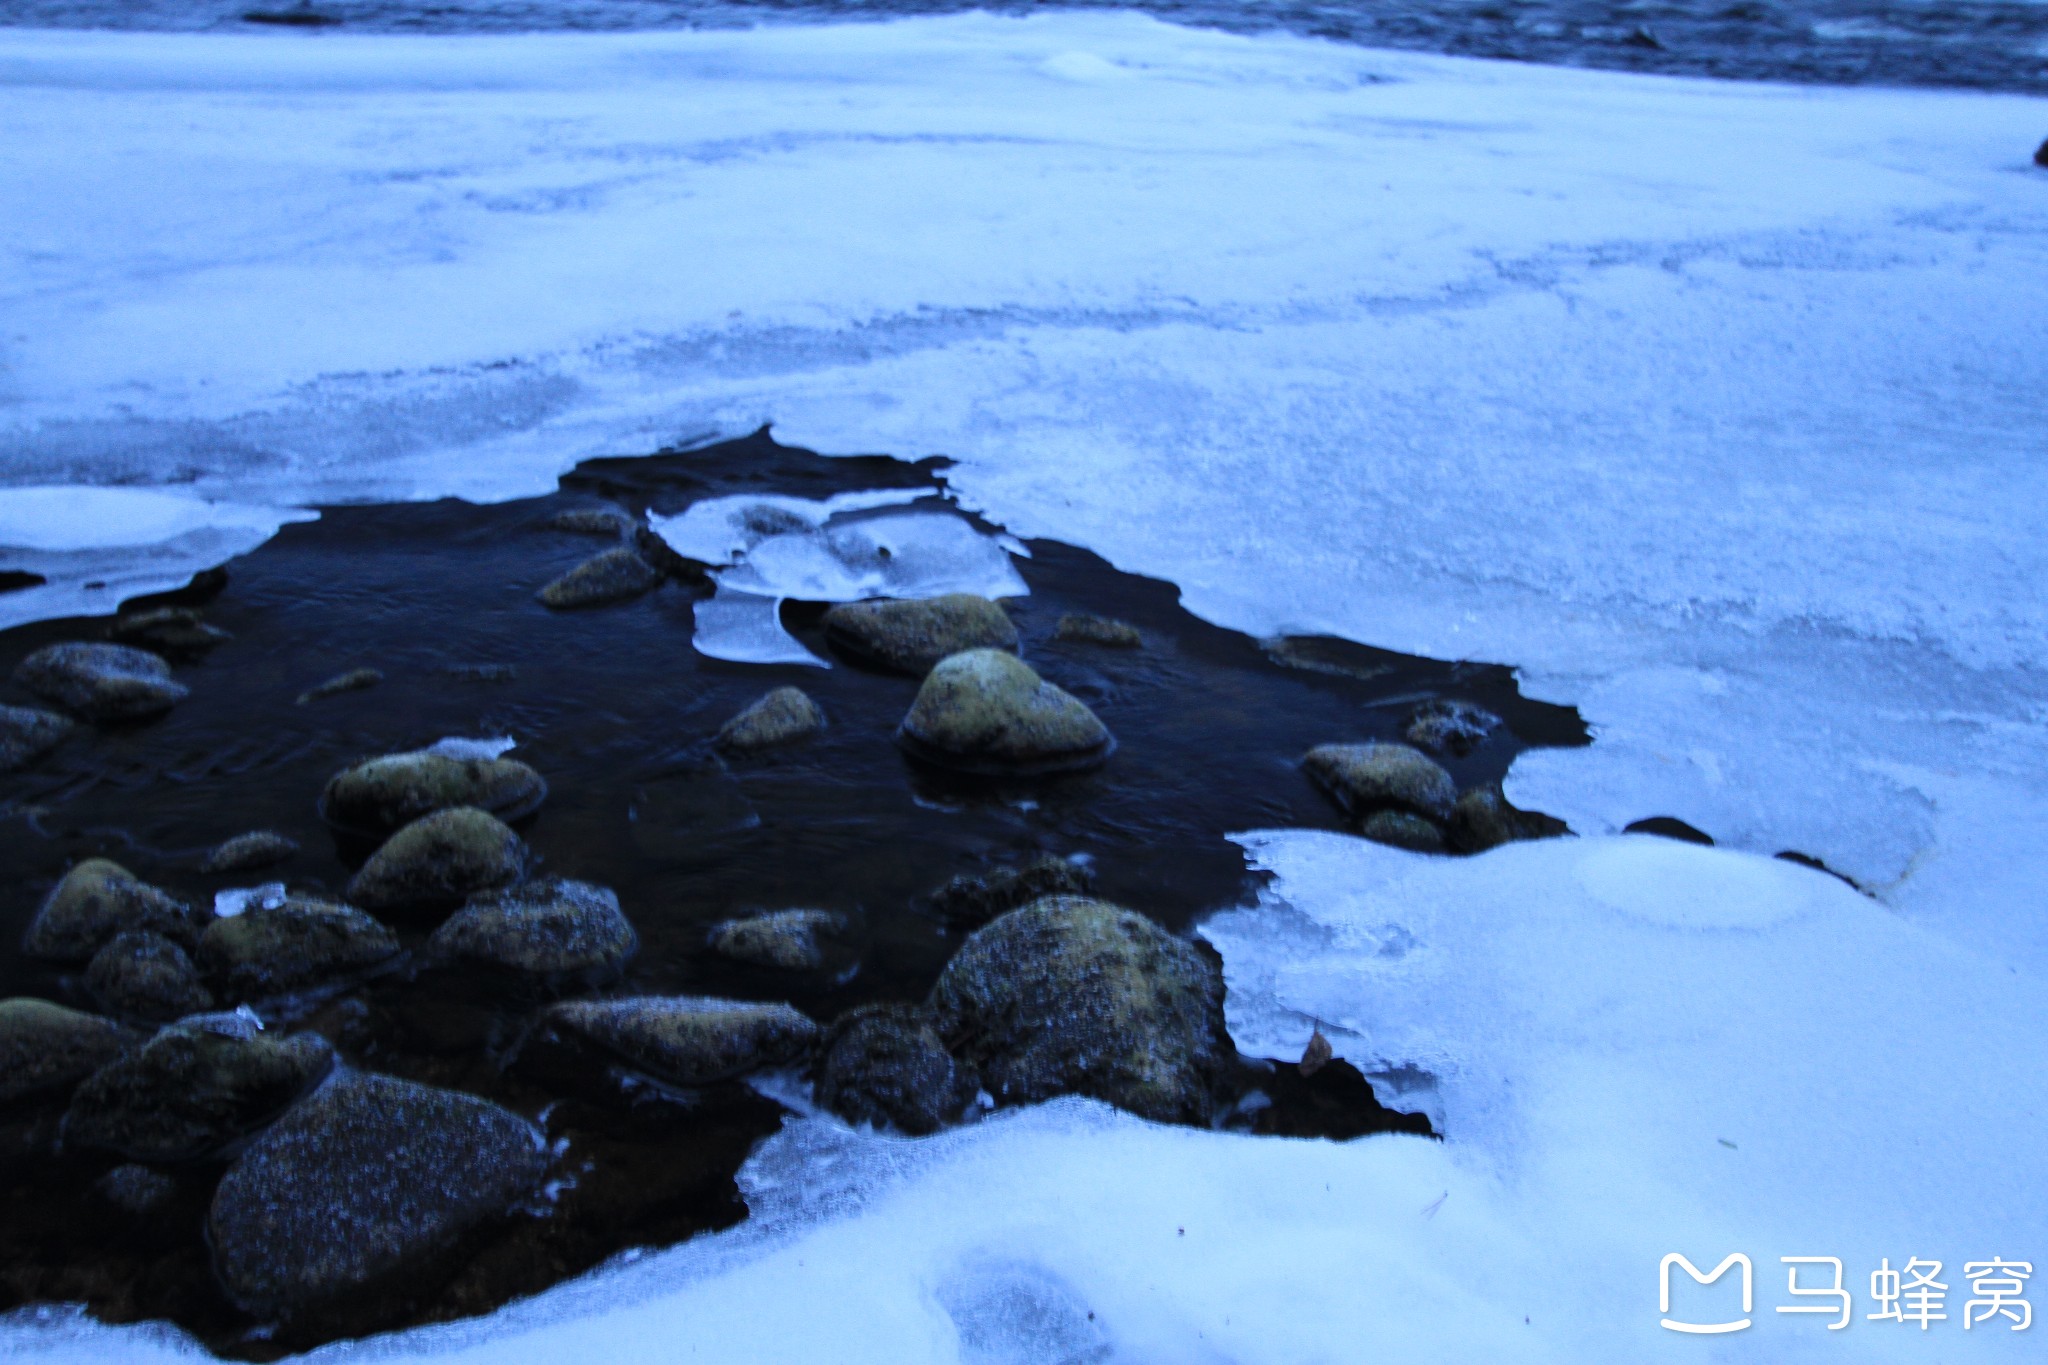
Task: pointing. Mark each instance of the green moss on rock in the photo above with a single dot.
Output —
(1484, 819)
(779, 717)
(355, 680)
(98, 899)
(270, 950)
(170, 630)
(912, 636)
(1077, 996)
(381, 794)
(1362, 778)
(687, 1039)
(784, 939)
(141, 975)
(972, 899)
(886, 1064)
(987, 711)
(614, 576)
(1084, 629)
(546, 928)
(1403, 829)
(101, 682)
(27, 733)
(438, 862)
(258, 848)
(45, 1046)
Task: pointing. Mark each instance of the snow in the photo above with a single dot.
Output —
(457, 746)
(770, 548)
(1717, 409)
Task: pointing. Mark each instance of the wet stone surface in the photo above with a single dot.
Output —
(489, 980)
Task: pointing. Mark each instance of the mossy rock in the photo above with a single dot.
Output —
(547, 928)
(1071, 995)
(367, 1179)
(438, 862)
(789, 940)
(382, 794)
(244, 852)
(1450, 727)
(27, 733)
(592, 521)
(780, 717)
(985, 711)
(141, 975)
(101, 682)
(686, 1039)
(887, 1065)
(98, 899)
(614, 576)
(271, 950)
(46, 1046)
(1083, 629)
(912, 636)
(1484, 819)
(972, 899)
(168, 630)
(355, 680)
(1362, 778)
(1403, 829)
(195, 1087)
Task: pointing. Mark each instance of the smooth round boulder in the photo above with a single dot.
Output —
(1450, 727)
(168, 630)
(1362, 778)
(45, 1046)
(614, 576)
(27, 733)
(1484, 819)
(384, 794)
(985, 711)
(686, 1039)
(887, 1065)
(1081, 628)
(788, 940)
(245, 852)
(101, 682)
(98, 899)
(271, 950)
(192, 1089)
(439, 862)
(779, 717)
(546, 928)
(364, 1179)
(1071, 995)
(971, 899)
(1403, 829)
(141, 975)
(912, 636)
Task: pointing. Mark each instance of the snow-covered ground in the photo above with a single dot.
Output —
(1719, 409)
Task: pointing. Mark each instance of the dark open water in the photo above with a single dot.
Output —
(1986, 44)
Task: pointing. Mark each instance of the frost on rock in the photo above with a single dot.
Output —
(768, 549)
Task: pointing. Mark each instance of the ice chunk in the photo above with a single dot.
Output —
(745, 628)
(236, 900)
(720, 530)
(485, 749)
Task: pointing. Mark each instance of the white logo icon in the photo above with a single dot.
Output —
(1710, 1328)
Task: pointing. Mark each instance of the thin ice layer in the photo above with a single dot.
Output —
(838, 549)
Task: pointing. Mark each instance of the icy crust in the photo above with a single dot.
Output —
(765, 549)
(95, 547)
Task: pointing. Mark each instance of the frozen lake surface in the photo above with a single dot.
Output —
(1716, 408)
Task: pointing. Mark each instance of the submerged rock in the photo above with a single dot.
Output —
(592, 521)
(977, 899)
(439, 862)
(258, 848)
(1403, 829)
(1483, 819)
(1072, 995)
(172, 630)
(986, 711)
(912, 636)
(687, 1039)
(44, 1046)
(788, 939)
(98, 899)
(101, 682)
(886, 1064)
(275, 949)
(1362, 778)
(195, 1087)
(381, 794)
(613, 576)
(27, 733)
(369, 1176)
(1081, 628)
(545, 928)
(779, 717)
(146, 976)
(136, 1190)
(355, 680)
(1450, 727)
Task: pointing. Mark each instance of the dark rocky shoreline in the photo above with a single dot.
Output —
(556, 969)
